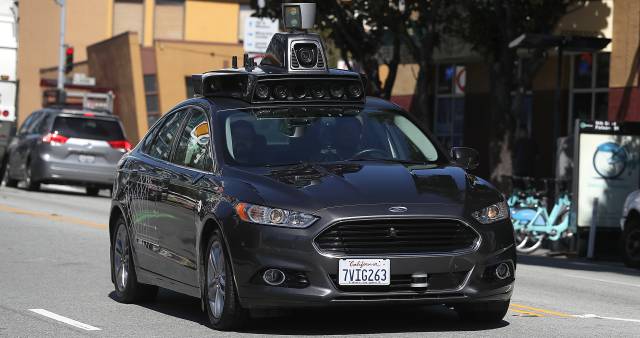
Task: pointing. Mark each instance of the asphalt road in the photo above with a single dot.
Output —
(55, 260)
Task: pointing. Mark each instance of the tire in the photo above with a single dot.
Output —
(631, 244)
(127, 288)
(8, 181)
(92, 191)
(226, 313)
(486, 312)
(29, 183)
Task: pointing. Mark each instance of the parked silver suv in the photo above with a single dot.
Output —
(74, 147)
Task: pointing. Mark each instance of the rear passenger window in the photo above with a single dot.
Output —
(162, 143)
(193, 147)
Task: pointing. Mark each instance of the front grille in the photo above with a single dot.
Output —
(435, 282)
(371, 237)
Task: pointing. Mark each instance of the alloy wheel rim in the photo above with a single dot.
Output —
(216, 273)
(633, 244)
(121, 258)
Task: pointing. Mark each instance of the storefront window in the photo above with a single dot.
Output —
(589, 95)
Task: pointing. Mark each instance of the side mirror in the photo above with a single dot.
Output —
(467, 158)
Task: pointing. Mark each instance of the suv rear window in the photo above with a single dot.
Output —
(88, 128)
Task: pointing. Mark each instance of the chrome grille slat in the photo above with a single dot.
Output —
(397, 236)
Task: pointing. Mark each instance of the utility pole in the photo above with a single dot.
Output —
(61, 56)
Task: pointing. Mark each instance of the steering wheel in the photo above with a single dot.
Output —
(370, 151)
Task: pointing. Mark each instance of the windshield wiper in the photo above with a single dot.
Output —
(391, 160)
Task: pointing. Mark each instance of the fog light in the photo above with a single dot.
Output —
(273, 277)
(503, 271)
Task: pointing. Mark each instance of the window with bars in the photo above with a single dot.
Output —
(589, 94)
(151, 97)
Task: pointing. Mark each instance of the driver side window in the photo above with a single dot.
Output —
(163, 141)
(193, 149)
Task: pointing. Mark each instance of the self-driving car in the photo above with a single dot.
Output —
(282, 186)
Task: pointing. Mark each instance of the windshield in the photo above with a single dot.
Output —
(283, 137)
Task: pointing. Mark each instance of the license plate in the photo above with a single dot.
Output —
(86, 158)
(354, 271)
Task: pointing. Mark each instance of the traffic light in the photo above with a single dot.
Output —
(68, 62)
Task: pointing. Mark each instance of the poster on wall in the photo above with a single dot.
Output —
(607, 170)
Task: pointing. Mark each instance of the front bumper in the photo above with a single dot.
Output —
(255, 248)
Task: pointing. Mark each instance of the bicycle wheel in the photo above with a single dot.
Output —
(531, 243)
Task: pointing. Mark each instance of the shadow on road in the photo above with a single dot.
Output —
(577, 264)
(66, 190)
(335, 321)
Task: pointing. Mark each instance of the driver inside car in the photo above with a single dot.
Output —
(244, 142)
(348, 137)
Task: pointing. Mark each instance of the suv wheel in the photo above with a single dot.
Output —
(29, 183)
(221, 300)
(8, 181)
(631, 244)
(488, 312)
(127, 288)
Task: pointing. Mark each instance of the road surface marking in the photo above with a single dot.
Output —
(532, 314)
(610, 318)
(65, 320)
(52, 217)
(549, 312)
(604, 280)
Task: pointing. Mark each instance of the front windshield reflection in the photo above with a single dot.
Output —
(277, 138)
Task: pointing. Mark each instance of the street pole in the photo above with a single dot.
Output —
(61, 55)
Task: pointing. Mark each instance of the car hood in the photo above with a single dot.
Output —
(310, 187)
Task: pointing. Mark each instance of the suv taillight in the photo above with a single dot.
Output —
(54, 138)
(120, 144)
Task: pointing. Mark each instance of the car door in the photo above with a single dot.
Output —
(193, 160)
(146, 193)
(22, 144)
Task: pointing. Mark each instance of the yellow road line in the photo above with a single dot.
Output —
(527, 313)
(52, 217)
(549, 312)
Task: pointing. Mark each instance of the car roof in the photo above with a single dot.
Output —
(80, 112)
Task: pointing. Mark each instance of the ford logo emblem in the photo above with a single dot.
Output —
(398, 209)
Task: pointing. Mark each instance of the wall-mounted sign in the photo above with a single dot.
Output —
(607, 168)
(258, 33)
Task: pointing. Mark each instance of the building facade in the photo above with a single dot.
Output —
(142, 50)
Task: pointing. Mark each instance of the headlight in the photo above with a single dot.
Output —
(492, 213)
(273, 216)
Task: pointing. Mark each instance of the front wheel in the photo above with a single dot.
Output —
(223, 307)
(488, 312)
(29, 182)
(631, 244)
(8, 181)
(127, 288)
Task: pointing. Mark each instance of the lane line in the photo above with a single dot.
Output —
(52, 217)
(527, 312)
(65, 320)
(549, 312)
(609, 318)
(603, 280)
